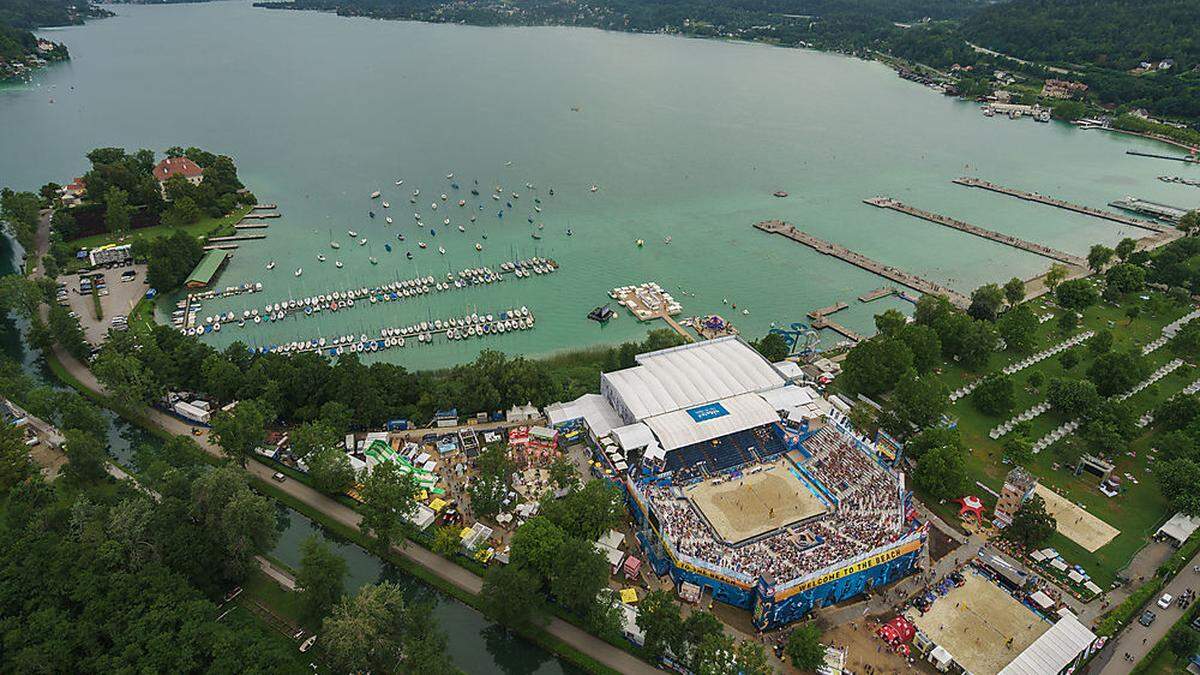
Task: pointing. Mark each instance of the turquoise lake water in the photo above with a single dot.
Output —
(684, 138)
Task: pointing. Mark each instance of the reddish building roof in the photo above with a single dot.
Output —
(77, 186)
(177, 166)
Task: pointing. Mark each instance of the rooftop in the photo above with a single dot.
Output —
(176, 166)
(207, 269)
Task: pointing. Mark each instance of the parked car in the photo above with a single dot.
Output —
(1147, 618)
(278, 477)
(1165, 600)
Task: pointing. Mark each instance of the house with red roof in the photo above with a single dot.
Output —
(72, 194)
(177, 166)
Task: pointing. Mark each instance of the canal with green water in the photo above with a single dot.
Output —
(682, 138)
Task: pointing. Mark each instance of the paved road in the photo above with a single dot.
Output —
(1136, 639)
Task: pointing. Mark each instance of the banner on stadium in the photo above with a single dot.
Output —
(853, 568)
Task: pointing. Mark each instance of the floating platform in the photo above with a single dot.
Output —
(220, 247)
(260, 216)
(251, 226)
(263, 207)
(878, 294)
(1058, 203)
(826, 311)
(822, 322)
(1000, 238)
(237, 237)
(648, 302)
(861, 261)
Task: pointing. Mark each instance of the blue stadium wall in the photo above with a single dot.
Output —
(772, 608)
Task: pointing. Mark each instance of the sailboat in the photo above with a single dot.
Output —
(271, 265)
(442, 250)
(299, 271)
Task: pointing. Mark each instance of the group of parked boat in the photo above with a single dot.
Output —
(456, 328)
(341, 300)
(1179, 180)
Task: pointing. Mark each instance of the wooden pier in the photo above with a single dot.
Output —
(877, 294)
(237, 237)
(676, 327)
(826, 311)
(261, 216)
(1007, 240)
(1190, 159)
(220, 247)
(859, 260)
(263, 207)
(1068, 206)
(251, 226)
(822, 322)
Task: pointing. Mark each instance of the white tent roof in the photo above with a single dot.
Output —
(789, 369)
(592, 408)
(1054, 649)
(633, 436)
(1179, 527)
(691, 374)
(786, 398)
(1042, 600)
(678, 429)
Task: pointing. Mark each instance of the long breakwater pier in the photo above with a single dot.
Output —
(1007, 240)
(861, 261)
(1058, 203)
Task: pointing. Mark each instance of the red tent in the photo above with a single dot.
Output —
(897, 630)
(973, 505)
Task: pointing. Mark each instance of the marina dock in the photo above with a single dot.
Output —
(220, 247)
(648, 302)
(251, 226)
(1190, 159)
(1146, 207)
(877, 294)
(863, 262)
(826, 311)
(260, 216)
(1007, 240)
(237, 237)
(264, 207)
(1068, 206)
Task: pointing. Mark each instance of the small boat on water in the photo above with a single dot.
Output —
(334, 244)
(434, 205)
(386, 205)
(442, 250)
(780, 193)
(421, 244)
(400, 182)
(593, 188)
(416, 193)
(271, 265)
(462, 202)
(444, 197)
(640, 243)
(478, 246)
(449, 176)
(408, 254)
(338, 264)
(446, 221)
(536, 235)
(387, 247)
(362, 242)
(667, 239)
(484, 235)
(373, 260)
(352, 233)
(475, 192)
(601, 314)
(375, 194)
(461, 228)
(371, 213)
(400, 236)
(570, 232)
(454, 186)
(299, 271)
(320, 257)
(388, 220)
(472, 218)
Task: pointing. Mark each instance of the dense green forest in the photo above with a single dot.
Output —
(1101, 39)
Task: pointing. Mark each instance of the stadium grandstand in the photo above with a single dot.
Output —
(750, 487)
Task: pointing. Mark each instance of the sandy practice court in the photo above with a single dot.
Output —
(977, 630)
(751, 505)
(1076, 524)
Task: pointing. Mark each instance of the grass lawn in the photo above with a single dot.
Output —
(205, 227)
(1139, 510)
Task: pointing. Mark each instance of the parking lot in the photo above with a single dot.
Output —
(119, 300)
